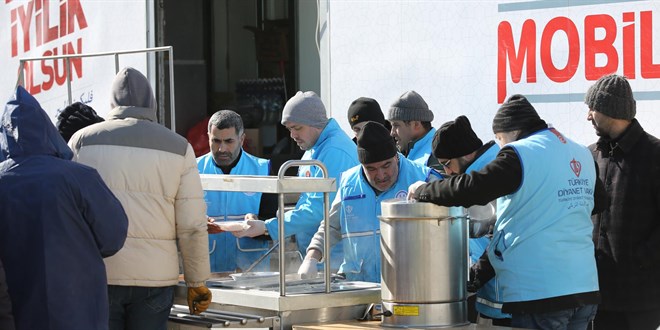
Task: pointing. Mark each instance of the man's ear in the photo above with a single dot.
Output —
(469, 157)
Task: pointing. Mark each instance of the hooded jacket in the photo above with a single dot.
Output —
(6, 316)
(153, 172)
(58, 220)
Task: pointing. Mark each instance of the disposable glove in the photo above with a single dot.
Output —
(308, 268)
(257, 228)
(199, 299)
(413, 187)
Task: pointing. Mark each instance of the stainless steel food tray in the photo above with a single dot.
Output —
(266, 184)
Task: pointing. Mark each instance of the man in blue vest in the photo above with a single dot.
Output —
(459, 150)
(362, 110)
(411, 128)
(541, 249)
(383, 174)
(322, 139)
(226, 136)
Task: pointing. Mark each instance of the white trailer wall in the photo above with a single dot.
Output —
(38, 28)
(448, 52)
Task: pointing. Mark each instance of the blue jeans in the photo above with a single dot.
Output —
(139, 308)
(566, 319)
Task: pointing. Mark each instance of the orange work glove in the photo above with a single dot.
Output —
(199, 299)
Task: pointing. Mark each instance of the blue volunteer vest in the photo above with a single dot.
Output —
(488, 296)
(542, 245)
(421, 150)
(360, 208)
(338, 153)
(232, 206)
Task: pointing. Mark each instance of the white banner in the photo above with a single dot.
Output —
(466, 57)
(38, 28)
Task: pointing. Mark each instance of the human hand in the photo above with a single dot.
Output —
(257, 228)
(199, 299)
(413, 187)
(251, 216)
(212, 227)
(473, 283)
(308, 268)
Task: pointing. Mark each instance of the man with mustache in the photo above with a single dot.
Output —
(411, 128)
(226, 135)
(383, 174)
(627, 235)
(363, 110)
(459, 150)
(322, 139)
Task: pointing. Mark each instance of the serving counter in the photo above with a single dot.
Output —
(348, 302)
(287, 300)
(355, 325)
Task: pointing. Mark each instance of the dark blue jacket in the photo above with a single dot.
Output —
(58, 220)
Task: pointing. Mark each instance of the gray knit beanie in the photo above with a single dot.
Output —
(612, 96)
(305, 108)
(410, 107)
(131, 88)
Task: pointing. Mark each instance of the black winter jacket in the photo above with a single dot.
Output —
(627, 234)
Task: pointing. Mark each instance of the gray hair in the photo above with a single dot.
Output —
(226, 119)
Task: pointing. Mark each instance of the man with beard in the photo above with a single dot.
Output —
(411, 128)
(546, 190)
(322, 139)
(627, 235)
(363, 110)
(226, 136)
(459, 150)
(383, 174)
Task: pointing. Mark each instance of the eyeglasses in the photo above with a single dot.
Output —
(445, 164)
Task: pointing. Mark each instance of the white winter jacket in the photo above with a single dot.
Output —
(152, 171)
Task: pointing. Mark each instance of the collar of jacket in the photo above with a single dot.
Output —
(625, 142)
(123, 112)
(481, 151)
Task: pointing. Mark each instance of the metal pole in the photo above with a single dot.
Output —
(121, 52)
(172, 105)
(116, 63)
(67, 70)
(21, 74)
(280, 222)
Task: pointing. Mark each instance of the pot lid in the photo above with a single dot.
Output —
(402, 209)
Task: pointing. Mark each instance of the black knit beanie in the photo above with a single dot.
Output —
(374, 143)
(516, 114)
(75, 117)
(365, 109)
(455, 139)
(612, 96)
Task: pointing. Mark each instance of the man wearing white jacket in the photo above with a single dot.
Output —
(153, 173)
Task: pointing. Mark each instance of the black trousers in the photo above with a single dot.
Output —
(637, 320)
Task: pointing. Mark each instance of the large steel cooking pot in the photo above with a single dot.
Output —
(423, 264)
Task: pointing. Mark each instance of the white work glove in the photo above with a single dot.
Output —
(257, 228)
(413, 187)
(308, 268)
